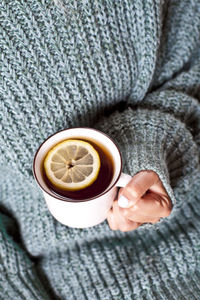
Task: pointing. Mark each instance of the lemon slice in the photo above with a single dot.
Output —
(72, 165)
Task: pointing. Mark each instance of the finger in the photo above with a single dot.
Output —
(158, 188)
(111, 220)
(119, 217)
(137, 187)
(129, 226)
(117, 221)
(120, 192)
(149, 208)
(123, 223)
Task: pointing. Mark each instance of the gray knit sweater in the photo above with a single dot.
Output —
(130, 68)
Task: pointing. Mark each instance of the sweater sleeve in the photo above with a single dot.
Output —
(161, 131)
(18, 276)
(160, 134)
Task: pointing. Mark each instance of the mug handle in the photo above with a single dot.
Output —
(122, 182)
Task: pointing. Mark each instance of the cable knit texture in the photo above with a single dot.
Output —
(132, 70)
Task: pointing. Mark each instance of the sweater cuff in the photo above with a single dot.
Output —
(153, 140)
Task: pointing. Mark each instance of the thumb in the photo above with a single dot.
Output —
(136, 188)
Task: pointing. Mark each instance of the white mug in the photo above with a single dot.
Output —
(86, 212)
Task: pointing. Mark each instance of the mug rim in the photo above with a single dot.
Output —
(65, 199)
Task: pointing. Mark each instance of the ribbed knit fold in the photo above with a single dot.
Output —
(177, 103)
(18, 278)
(69, 63)
(155, 141)
(188, 288)
(142, 266)
(22, 285)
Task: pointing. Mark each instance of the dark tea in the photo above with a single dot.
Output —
(98, 186)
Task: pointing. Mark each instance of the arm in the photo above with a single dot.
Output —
(162, 132)
(162, 135)
(154, 140)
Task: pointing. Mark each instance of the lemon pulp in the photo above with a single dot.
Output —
(72, 165)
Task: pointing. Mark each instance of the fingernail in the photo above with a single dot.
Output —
(123, 202)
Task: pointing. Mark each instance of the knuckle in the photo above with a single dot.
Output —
(112, 226)
(111, 221)
(155, 221)
(166, 205)
(124, 212)
(167, 212)
(128, 227)
(152, 173)
(124, 228)
(133, 190)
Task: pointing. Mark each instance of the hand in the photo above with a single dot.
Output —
(147, 203)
